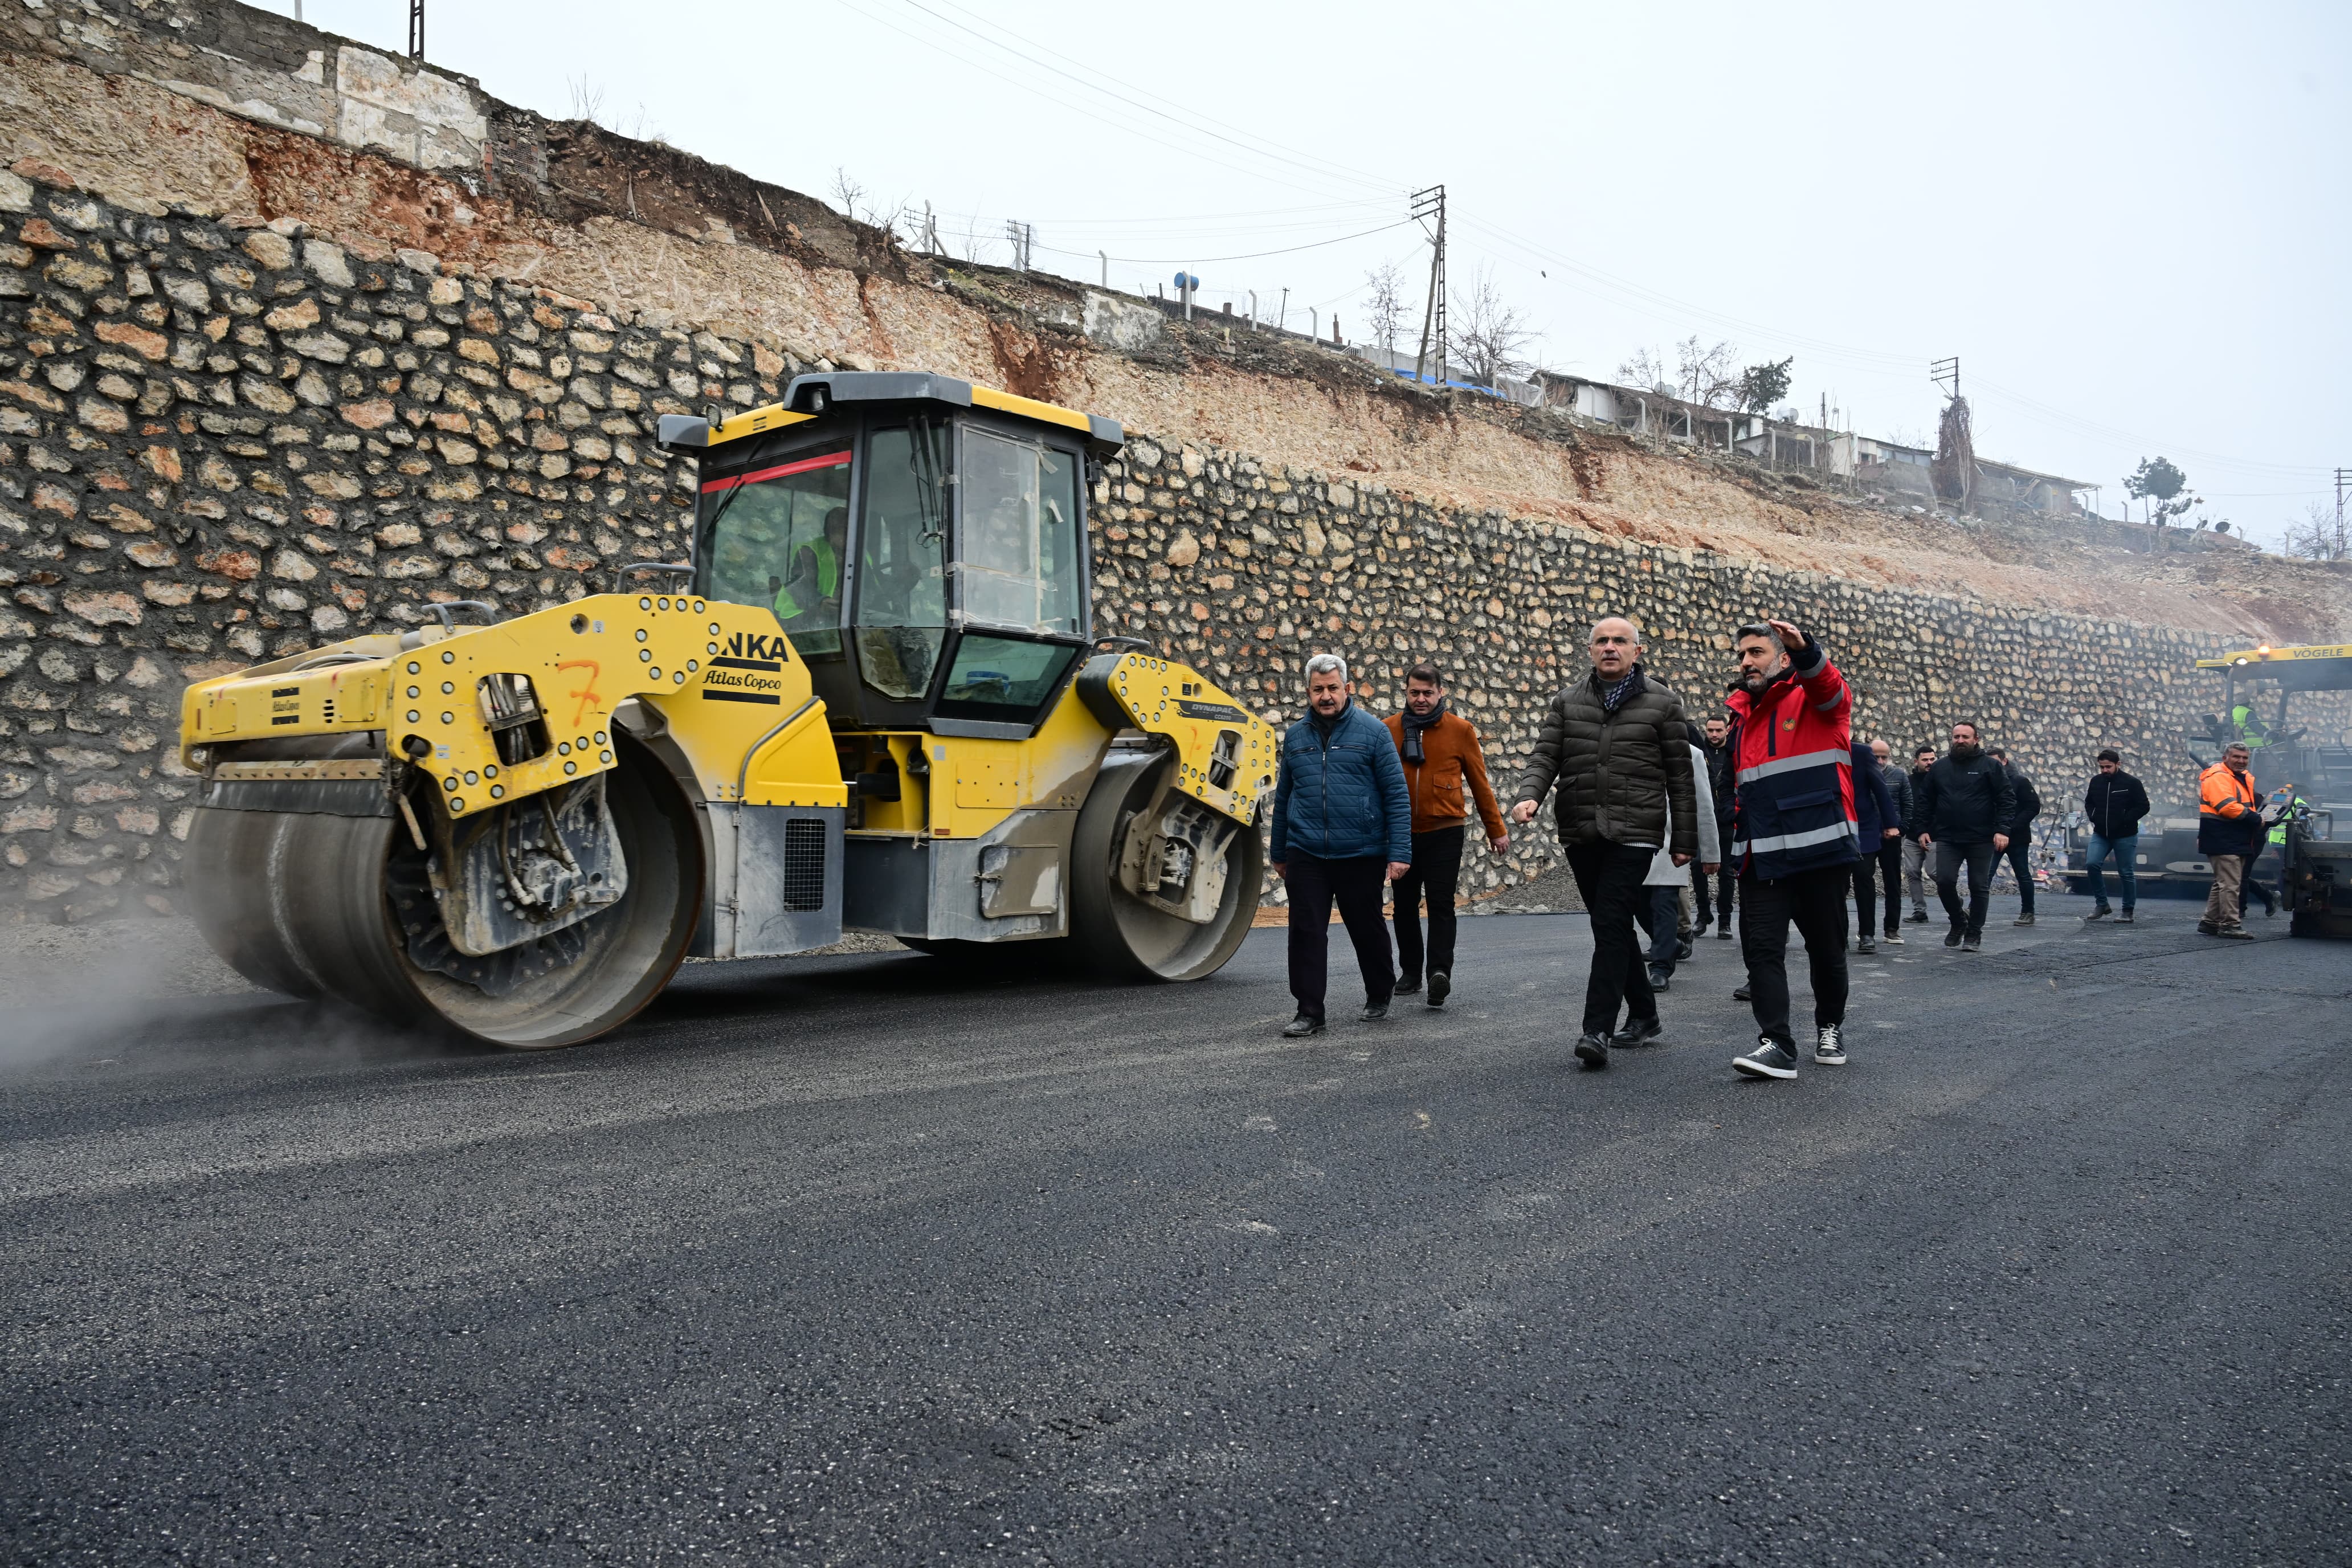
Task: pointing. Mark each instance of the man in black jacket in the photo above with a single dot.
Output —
(1717, 749)
(1965, 804)
(2112, 808)
(2021, 832)
(1617, 745)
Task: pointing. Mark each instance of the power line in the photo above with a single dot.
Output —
(1254, 256)
(1093, 78)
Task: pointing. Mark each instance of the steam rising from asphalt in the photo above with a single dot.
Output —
(83, 992)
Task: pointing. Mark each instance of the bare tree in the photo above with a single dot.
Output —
(847, 194)
(2324, 535)
(1645, 370)
(1385, 311)
(1491, 337)
(977, 245)
(1708, 376)
(588, 104)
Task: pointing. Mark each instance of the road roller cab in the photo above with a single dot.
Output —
(873, 699)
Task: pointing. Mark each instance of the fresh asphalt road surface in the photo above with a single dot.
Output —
(856, 1261)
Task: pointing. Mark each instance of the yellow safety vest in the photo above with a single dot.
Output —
(789, 603)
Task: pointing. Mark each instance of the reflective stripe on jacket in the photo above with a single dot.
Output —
(1794, 762)
(2229, 812)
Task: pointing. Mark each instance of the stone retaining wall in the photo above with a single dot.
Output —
(221, 443)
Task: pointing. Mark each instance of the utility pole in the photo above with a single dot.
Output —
(415, 29)
(1427, 205)
(1946, 370)
(2343, 485)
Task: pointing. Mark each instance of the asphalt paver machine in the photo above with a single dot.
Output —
(873, 700)
(2302, 762)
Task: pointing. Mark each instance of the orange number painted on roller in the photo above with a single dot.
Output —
(587, 693)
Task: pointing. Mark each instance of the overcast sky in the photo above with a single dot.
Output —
(2130, 221)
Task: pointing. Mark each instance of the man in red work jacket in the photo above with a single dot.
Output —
(1794, 836)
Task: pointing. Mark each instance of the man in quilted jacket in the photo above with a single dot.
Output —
(1342, 829)
(1617, 745)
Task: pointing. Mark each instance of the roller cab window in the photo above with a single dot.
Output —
(1018, 565)
(902, 598)
(777, 534)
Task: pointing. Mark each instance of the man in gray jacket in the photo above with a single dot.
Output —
(1617, 745)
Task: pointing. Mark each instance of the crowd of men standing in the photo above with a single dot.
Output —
(1770, 807)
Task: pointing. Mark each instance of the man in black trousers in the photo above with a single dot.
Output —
(1965, 804)
(2021, 831)
(1618, 747)
(1342, 829)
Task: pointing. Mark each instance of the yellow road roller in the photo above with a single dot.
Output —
(874, 701)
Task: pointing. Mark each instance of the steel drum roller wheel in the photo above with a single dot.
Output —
(1116, 933)
(297, 903)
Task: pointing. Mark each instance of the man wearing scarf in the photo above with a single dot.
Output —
(1441, 759)
(1617, 746)
(1966, 805)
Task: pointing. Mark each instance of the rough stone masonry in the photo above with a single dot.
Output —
(221, 442)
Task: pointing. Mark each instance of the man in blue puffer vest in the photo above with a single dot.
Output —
(1342, 830)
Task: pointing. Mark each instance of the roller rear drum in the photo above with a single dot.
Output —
(339, 907)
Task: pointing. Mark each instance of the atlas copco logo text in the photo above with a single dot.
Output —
(751, 670)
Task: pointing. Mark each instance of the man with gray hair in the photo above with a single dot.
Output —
(1342, 830)
(1618, 746)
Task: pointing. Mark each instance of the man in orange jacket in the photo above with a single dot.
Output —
(1440, 757)
(2229, 835)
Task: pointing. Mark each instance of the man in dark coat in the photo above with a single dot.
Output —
(1342, 829)
(1718, 747)
(1917, 867)
(2112, 806)
(1891, 846)
(1617, 745)
(1966, 804)
(1877, 822)
(2021, 832)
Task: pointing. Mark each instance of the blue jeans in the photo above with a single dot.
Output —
(2125, 851)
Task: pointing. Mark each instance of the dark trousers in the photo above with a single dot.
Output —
(1658, 914)
(1355, 885)
(1726, 881)
(1815, 901)
(1883, 869)
(1436, 872)
(1609, 879)
(2023, 870)
(1702, 915)
(1978, 858)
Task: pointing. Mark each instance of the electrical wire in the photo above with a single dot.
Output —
(1209, 260)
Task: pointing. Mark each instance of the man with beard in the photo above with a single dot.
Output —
(1617, 745)
(1442, 765)
(1915, 865)
(1965, 804)
(1342, 827)
(1793, 835)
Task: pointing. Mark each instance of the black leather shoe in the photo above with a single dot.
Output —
(1440, 986)
(1408, 984)
(1743, 993)
(1659, 979)
(1301, 1026)
(1637, 1032)
(1374, 1012)
(1592, 1050)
